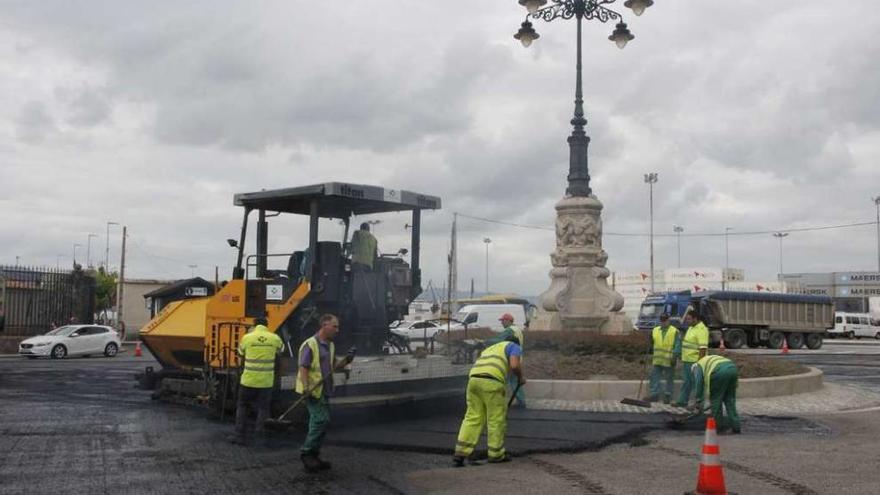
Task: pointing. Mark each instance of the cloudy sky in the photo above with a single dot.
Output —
(756, 115)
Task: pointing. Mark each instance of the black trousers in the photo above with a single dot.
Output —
(252, 399)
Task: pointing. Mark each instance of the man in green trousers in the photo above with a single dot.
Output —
(717, 377)
(694, 346)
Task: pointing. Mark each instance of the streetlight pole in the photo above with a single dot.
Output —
(678, 230)
(107, 250)
(75, 245)
(192, 270)
(578, 170)
(651, 179)
(780, 236)
(877, 203)
(89, 251)
(487, 241)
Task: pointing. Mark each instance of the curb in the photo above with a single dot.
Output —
(586, 390)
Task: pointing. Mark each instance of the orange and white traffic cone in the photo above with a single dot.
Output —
(785, 346)
(710, 481)
(137, 349)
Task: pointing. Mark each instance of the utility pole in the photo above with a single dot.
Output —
(487, 241)
(89, 251)
(678, 230)
(877, 203)
(192, 270)
(651, 179)
(780, 236)
(107, 250)
(726, 258)
(120, 292)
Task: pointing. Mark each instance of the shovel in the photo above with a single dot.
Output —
(280, 422)
(681, 420)
(639, 402)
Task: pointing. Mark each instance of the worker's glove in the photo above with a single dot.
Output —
(350, 356)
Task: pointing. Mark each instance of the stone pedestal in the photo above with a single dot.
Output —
(579, 297)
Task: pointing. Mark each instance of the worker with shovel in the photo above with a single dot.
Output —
(258, 349)
(716, 377)
(317, 362)
(666, 347)
(487, 401)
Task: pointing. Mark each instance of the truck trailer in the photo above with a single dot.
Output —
(746, 318)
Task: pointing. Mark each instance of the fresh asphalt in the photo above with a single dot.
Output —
(79, 426)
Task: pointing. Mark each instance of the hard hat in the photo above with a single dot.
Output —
(506, 316)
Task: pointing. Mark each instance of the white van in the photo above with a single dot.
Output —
(488, 316)
(854, 325)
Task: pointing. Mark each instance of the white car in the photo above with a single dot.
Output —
(72, 340)
(417, 330)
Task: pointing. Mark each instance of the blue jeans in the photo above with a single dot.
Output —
(659, 373)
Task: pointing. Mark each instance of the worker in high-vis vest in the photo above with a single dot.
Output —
(258, 349)
(316, 364)
(694, 347)
(487, 401)
(364, 248)
(716, 377)
(511, 330)
(666, 347)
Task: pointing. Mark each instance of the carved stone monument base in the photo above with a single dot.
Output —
(579, 297)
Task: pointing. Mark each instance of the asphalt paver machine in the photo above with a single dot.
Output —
(195, 339)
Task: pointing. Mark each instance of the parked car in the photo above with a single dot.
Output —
(72, 340)
(417, 330)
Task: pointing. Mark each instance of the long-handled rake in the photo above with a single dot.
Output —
(639, 402)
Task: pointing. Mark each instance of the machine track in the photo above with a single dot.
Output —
(770, 478)
(574, 478)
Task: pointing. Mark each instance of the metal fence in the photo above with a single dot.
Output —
(33, 300)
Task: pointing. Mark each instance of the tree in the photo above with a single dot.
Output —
(105, 289)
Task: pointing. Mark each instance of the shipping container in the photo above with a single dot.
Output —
(857, 278)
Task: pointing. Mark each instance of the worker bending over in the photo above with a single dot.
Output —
(694, 347)
(666, 347)
(364, 248)
(511, 330)
(487, 401)
(258, 349)
(720, 376)
(317, 362)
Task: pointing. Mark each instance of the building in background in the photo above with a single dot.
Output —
(135, 310)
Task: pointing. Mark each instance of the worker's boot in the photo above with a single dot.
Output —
(496, 460)
(310, 462)
(322, 464)
(457, 461)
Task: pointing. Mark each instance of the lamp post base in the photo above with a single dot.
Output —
(579, 297)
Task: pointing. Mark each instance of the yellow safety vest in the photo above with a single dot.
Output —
(708, 365)
(493, 362)
(663, 346)
(363, 248)
(696, 338)
(519, 335)
(315, 368)
(259, 348)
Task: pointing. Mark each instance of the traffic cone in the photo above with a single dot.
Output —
(137, 349)
(785, 346)
(710, 481)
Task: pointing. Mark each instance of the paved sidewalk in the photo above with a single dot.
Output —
(832, 398)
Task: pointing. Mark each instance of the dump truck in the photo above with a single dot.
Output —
(195, 339)
(750, 319)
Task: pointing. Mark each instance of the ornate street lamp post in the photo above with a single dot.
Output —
(579, 297)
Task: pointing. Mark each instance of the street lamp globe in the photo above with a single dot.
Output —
(621, 35)
(533, 5)
(526, 34)
(637, 6)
